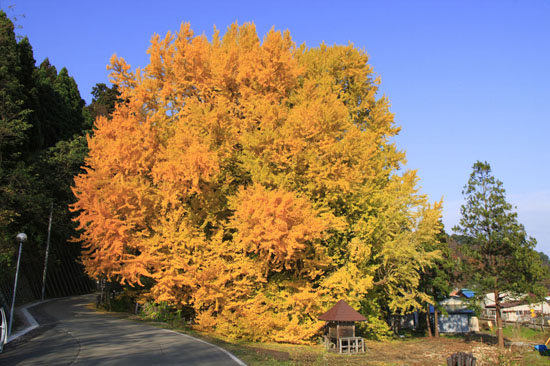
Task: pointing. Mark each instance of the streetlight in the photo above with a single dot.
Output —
(21, 237)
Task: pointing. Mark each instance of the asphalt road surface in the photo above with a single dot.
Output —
(72, 334)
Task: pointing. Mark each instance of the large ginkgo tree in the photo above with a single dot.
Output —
(255, 181)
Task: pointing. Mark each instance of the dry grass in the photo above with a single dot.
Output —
(410, 352)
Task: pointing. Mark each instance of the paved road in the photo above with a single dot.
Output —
(71, 334)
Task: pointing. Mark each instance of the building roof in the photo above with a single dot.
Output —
(505, 305)
(463, 292)
(342, 312)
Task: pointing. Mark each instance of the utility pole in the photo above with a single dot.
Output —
(47, 254)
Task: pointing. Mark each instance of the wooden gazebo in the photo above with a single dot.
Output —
(340, 328)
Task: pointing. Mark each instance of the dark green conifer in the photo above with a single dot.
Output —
(501, 255)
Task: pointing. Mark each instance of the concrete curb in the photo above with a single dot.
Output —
(32, 323)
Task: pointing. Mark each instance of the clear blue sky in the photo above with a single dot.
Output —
(468, 80)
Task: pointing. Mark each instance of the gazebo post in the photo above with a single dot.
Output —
(339, 344)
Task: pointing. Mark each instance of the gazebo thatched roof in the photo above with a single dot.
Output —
(342, 312)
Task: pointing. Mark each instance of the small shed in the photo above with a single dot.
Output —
(340, 328)
(460, 318)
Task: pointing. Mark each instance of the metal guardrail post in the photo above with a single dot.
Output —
(3, 330)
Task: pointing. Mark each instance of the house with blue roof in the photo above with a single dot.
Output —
(460, 318)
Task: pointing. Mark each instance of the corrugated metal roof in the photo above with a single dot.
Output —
(342, 312)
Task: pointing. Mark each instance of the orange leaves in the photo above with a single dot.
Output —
(277, 226)
(182, 164)
(120, 72)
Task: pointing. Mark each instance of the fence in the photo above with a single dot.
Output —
(65, 275)
(539, 322)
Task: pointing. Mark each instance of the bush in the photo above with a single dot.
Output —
(162, 312)
(123, 302)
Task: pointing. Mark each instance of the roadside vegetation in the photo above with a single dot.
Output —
(409, 348)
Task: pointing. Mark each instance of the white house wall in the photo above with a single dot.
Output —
(454, 323)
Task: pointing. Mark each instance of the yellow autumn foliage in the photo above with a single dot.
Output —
(255, 181)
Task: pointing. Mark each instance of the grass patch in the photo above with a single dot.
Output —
(522, 334)
(535, 359)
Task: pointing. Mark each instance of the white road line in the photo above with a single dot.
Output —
(233, 357)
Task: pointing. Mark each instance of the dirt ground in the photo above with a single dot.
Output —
(414, 352)
(428, 352)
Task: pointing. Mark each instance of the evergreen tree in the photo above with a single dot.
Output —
(59, 111)
(42, 146)
(104, 101)
(14, 172)
(502, 256)
(13, 115)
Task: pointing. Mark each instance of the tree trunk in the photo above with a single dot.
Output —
(428, 325)
(500, 335)
(436, 323)
(542, 317)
